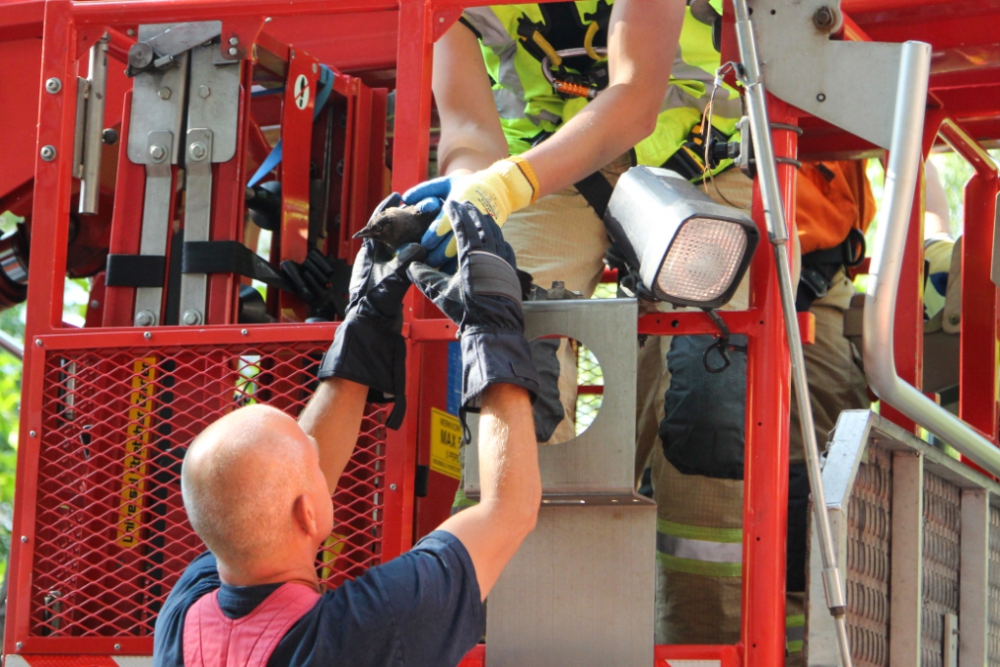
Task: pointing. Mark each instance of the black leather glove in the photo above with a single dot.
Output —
(368, 347)
(484, 299)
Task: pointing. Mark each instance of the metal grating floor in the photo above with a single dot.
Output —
(868, 561)
(941, 561)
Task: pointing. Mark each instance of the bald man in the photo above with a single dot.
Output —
(257, 487)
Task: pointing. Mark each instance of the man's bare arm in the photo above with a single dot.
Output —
(642, 43)
(493, 530)
(471, 136)
(333, 418)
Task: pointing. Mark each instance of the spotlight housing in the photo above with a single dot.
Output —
(685, 248)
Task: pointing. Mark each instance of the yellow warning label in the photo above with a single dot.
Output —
(140, 415)
(332, 547)
(446, 436)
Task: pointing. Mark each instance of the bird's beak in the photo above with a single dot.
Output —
(365, 233)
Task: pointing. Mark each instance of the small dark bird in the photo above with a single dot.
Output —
(396, 227)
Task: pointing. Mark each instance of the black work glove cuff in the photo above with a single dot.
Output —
(368, 354)
(492, 358)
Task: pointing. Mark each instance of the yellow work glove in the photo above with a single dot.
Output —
(499, 190)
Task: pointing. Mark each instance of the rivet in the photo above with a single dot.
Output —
(955, 319)
(19, 645)
(147, 335)
(392, 487)
(157, 152)
(130, 32)
(24, 540)
(234, 40)
(38, 342)
(233, 50)
(821, 97)
(441, 20)
(204, 91)
(164, 93)
(48, 153)
(244, 332)
(53, 85)
(95, 304)
(33, 434)
(118, 647)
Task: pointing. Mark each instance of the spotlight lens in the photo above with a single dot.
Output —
(703, 259)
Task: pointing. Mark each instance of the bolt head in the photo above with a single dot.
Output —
(147, 335)
(392, 487)
(24, 538)
(19, 645)
(33, 434)
(48, 153)
(157, 152)
(95, 304)
(118, 647)
(198, 151)
(191, 317)
(234, 40)
(244, 332)
(53, 85)
(955, 319)
(204, 91)
(233, 50)
(38, 342)
(825, 18)
(164, 93)
(144, 318)
(140, 55)
(109, 136)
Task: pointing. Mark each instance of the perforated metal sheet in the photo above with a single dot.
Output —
(993, 652)
(110, 532)
(868, 560)
(941, 560)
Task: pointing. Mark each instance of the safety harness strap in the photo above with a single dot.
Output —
(597, 191)
(230, 257)
(135, 271)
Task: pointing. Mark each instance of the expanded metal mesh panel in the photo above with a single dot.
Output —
(941, 561)
(111, 535)
(993, 647)
(868, 539)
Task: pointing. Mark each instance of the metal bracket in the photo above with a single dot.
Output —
(598, 466)
(197, 220)
(155, 220)
(158, 102)
(159, 49)
(93, 144)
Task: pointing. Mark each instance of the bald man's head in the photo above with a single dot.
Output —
(240, 480)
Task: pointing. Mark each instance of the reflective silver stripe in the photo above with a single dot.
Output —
(795, 633)
(510, 99)
(703, 550)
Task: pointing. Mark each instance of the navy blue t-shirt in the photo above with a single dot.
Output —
(421, 609)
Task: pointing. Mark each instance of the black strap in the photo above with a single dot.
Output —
(597, 191)
(230, 257)
(849, 252)
(135, 271)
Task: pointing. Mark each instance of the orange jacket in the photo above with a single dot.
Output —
(832, 197)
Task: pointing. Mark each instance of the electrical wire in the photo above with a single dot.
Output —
(706, 124)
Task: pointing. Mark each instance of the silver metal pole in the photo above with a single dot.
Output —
(774, 214)
(90, 185)
(887, 263)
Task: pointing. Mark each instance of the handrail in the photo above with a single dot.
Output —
(887, 262)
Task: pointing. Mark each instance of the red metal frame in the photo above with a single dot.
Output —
(70, 27)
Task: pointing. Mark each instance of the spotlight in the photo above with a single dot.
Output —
(685, 248)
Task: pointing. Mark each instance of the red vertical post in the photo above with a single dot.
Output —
(979, 339)
(765, 495)
(413, 94)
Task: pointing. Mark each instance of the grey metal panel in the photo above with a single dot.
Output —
(214, 100)
(993, 638)
(802, 66)
(157, 103)
(940, 567)
(974, 594)
(601, 461)
(905, 585)
(579, 591)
